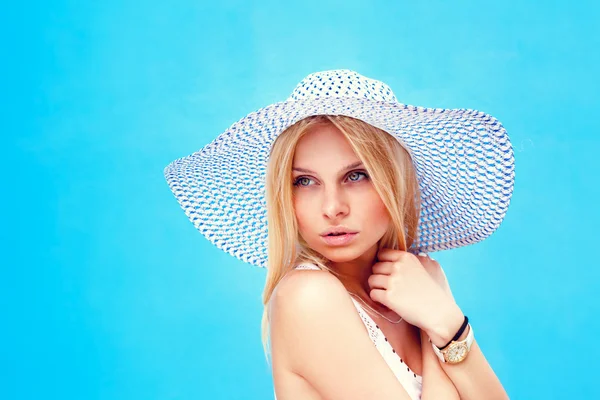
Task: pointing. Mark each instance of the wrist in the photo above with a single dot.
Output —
(447, 326)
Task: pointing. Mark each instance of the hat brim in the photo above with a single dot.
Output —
(463, 158)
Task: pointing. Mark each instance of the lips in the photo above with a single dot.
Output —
(337, 231)
(339, 239)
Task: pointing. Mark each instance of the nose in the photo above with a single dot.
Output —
(334, 203)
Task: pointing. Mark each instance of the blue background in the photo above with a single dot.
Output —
(108, 291)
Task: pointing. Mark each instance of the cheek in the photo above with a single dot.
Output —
(382, 216)
(377, 210)
(302, 214)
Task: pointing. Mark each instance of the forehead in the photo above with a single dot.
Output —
(324, 145)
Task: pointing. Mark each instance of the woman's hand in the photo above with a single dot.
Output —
(434, 269)
(416, 289)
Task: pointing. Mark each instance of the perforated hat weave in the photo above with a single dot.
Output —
(463, 158)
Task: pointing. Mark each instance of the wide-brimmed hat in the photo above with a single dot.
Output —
(463, 159)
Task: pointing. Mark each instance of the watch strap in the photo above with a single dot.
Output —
(458, 333)
(468, 341)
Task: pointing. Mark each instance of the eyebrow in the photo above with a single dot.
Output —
(347, 167)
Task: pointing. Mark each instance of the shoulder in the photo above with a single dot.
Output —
(302, 284)
(307, 292)
(317, 333)
(301, 305)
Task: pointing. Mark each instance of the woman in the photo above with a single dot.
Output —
(356, 184)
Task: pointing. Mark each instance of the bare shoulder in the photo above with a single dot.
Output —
(300, 297)
(314, 322)
(299, 285)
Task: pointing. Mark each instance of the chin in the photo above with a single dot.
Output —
(342, 254)
(337, 258)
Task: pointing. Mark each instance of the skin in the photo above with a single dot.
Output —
(313, 319)
(328, 194)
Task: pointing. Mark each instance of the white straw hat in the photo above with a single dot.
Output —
(463, 158)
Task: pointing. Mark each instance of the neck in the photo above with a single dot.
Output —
(354, 274)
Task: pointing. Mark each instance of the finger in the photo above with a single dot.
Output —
(422, 254)
(423, 258)
(426, 261)
(386, 254)
(378, 281)
(383, 267)
(377, 295)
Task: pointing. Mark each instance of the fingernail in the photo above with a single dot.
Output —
(425, 255)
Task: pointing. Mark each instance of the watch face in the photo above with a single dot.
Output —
(456, 353)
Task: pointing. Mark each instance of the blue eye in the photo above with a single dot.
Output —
(356, 173)
(350, 176)
(297, 182)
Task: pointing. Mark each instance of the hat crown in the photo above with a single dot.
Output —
(342, 83)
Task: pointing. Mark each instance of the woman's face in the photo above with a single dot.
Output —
(332, 189)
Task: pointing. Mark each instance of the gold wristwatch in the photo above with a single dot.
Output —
(456, 351)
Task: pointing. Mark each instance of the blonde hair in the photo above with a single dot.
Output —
(390, 169)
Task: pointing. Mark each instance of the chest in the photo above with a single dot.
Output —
(404, 339)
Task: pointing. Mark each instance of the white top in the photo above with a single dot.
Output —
(411, 382)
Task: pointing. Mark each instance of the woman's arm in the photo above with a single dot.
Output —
(436, 384)
(473, 378)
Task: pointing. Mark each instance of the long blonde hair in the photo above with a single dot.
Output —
(390, 169)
